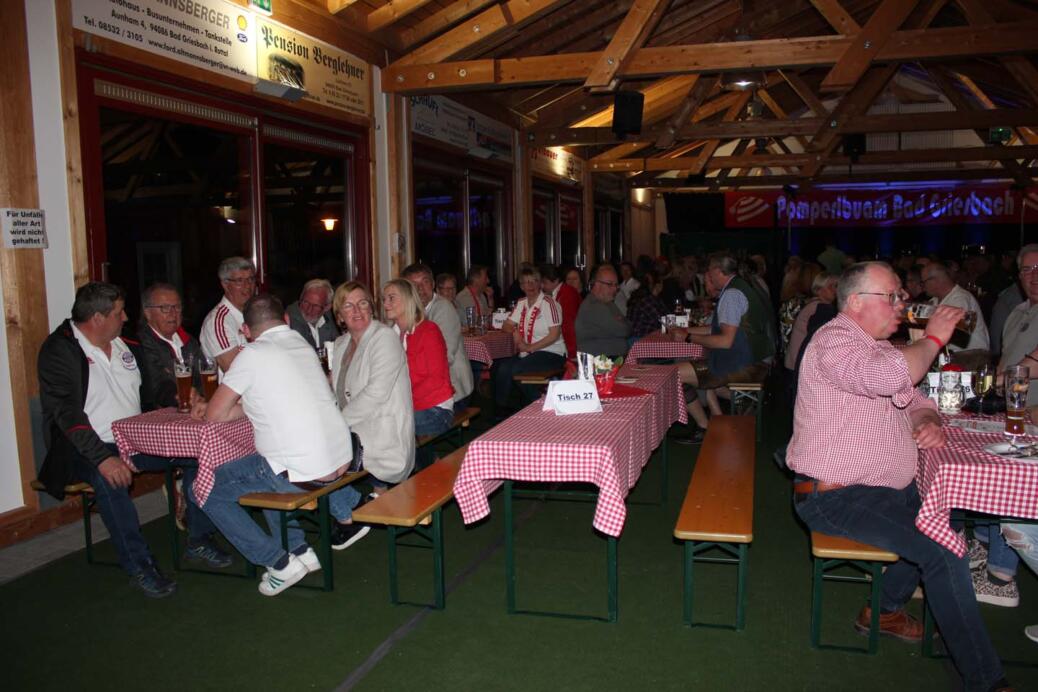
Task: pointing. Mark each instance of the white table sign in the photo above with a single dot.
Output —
(566, 397)
(498, 318)
(23, 228)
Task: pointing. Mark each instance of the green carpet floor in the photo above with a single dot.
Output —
(71, 626)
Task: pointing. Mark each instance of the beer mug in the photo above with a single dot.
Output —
(470, 319)
(207, 373)
(1017, 382)
(183, 372)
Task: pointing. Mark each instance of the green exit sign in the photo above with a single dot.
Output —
(263, 6)
(999, 135)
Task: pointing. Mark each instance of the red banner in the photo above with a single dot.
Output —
(876, 208)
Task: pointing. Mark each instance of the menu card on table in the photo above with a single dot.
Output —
(566, 397)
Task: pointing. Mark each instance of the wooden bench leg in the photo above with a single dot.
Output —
(740, 557)
(875, 570)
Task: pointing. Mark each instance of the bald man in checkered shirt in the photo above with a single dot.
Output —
(858, 426)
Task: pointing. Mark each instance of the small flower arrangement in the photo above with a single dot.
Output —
(605, 369)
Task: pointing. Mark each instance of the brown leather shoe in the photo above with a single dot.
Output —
(899, 625)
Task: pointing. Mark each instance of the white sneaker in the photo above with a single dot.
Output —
(277, 580)
(309, 560)
(1032, 633)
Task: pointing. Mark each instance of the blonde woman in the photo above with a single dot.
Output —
(371, 385)
(431, 391)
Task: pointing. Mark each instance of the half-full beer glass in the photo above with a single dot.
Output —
(183, 372)
(207, 371)
(1017, 381)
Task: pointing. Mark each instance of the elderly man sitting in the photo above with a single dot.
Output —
(311, 315)
(601, 328)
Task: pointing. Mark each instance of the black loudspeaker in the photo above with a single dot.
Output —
(853, 146)
(627, 113)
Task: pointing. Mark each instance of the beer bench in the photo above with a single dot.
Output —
(831, 552)
(313, 506)
(413, 505)
(462, 421)
(748, 397)
(86, 500)
(538, 377)
(718, 507)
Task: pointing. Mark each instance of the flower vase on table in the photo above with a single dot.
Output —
(605, 370)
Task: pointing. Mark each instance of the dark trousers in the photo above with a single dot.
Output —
(505, 368)
(120, 516)
(885, 518)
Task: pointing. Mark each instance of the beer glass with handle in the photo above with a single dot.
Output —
(1017, 382)
(207, 371)
(183, 372)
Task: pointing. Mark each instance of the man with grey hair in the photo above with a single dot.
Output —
(601, 328)
(311, 315)
(221, 335)
(858, 426)
(938, 283)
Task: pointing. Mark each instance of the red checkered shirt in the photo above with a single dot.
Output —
(851, 424)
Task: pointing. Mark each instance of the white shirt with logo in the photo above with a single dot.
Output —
(113, 387)
(285, 394)
(533, 323)
(221, 330)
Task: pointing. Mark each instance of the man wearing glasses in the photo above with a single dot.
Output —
(221, 334)
(601, 328)
(858, 426)
(164, 341)
(311, 315)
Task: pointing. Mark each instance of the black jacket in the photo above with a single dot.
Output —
(329, 331)
(64, 376)
(157, 365)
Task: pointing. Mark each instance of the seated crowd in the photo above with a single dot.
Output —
(399, 369)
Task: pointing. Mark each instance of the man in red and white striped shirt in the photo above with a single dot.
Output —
(858, 426)
(221, 334)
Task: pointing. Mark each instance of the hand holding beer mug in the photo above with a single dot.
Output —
(1017, 382)
(207, 370)
(183, 372)
(919, 314)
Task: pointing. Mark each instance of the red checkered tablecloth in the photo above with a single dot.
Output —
(961, 475)
(608, 449)
(658, 345)
(166, 433)
(485, 348)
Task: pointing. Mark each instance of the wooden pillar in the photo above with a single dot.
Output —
(21, 271)
(588, 216)
(523, 235)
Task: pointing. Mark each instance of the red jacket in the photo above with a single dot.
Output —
(569, 299)
(427, 364)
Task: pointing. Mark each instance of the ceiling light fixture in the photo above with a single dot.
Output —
(329, 224)
(742, 80)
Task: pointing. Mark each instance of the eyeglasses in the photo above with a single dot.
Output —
(892, 298)
(364, 305)
(1027, 271)
(241, 281)
(307, 304)
(166, 309)
(610, 284)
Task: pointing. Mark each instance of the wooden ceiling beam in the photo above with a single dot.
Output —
(1022, 69)
(885, 20)
(440, 21)
(490, 21)
(801, 89)
(392, 11)
(878, 158)
(900, 122)
(577, 24)
(773, 105)
(634, 31)
(694, 23)
(733, 113)
(408, 76)
(838, 18)
(695, 98)
(662, 95)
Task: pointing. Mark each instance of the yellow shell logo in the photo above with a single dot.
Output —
(243, 23)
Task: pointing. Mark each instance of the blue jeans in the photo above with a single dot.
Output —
(430, 421)
(1023, 538)
(1001, 558)
(120, 516)
(506, 368)
(252, 474)
(885, 518)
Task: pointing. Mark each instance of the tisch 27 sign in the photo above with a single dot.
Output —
(885, 207)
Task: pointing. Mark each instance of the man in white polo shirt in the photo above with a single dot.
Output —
(221, 334)
(90, 377)
(277, 382)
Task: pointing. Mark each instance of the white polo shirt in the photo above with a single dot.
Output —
(286, 396)
(113, 387)
(221, 330)
(544, 315)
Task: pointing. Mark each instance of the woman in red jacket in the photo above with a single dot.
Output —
(431, 390)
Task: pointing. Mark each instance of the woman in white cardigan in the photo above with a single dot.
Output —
(372, 385)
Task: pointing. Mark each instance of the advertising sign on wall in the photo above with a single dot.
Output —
(556, 162)
(958, 204)
(452, 123)
(211, 34)
(329, 76)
